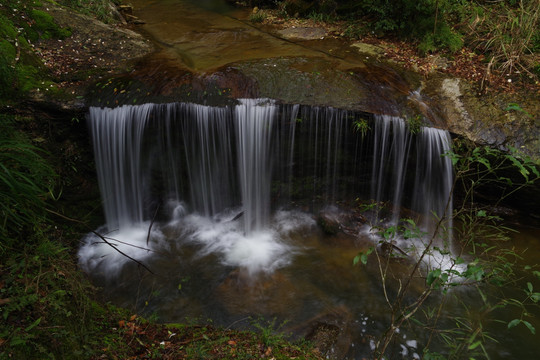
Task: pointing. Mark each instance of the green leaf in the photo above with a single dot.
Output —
(481, 213)
(535, 297)
(433, 275)
(36, 323)
(17, 341)
(530, 287)
(513, 106)
(529, 325)
(513, 323)
(363, 259)
(474, 272)
(475, 345)
(520, 166)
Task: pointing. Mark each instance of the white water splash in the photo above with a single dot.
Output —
(109, 258)
(259, 251)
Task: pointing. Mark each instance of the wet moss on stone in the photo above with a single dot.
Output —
(46, 27)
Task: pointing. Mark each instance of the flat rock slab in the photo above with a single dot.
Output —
(368, 49)
(303, 33)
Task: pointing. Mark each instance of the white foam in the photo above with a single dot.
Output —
(259, 251)
(96, 254)
(439, 256)
(288, 221)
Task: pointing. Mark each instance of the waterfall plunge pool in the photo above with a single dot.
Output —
(258, 210)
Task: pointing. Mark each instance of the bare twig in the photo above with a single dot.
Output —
(152, 223)
(102, 238)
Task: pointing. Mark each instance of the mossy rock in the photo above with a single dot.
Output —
(7, 51)
(46, 26)
(7, 30)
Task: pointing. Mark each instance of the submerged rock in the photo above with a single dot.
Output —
(329, 332)
(334, 221)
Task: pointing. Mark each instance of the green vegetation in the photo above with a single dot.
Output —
(483, 262)
(361, 126)
(26, 179)
(506, 32)
(258, 17)
(22, 24)
(100, 9)
(415, 124)
(46, 27)
(43, 300)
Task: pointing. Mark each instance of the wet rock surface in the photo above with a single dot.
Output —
(303, 33)
(288, 63)
(487, 120)
(330, 332)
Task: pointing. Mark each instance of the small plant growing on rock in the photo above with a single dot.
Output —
(258, 17)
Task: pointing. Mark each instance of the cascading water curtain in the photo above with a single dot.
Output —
(257, 154)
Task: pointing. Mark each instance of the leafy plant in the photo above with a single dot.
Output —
(424, 20)
(354, 31)
(415, 124)
(320, 17)
(361, 126)
(269, 332)
(481, 263)
(258, 17)
(516, 107)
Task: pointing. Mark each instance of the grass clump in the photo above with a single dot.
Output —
(26, 179)
(258, 17)
(509, 35)
(100, 9)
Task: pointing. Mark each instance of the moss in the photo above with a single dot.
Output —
(7, 30)
(47, 28)
(30, 78)
(7, 57)
(7, 50)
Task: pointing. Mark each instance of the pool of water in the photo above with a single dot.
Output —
(295, 276)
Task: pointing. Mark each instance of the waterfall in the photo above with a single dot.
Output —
(433, 176)
(254, 126)
(252, 158)
(117, 138)
(392, 143)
